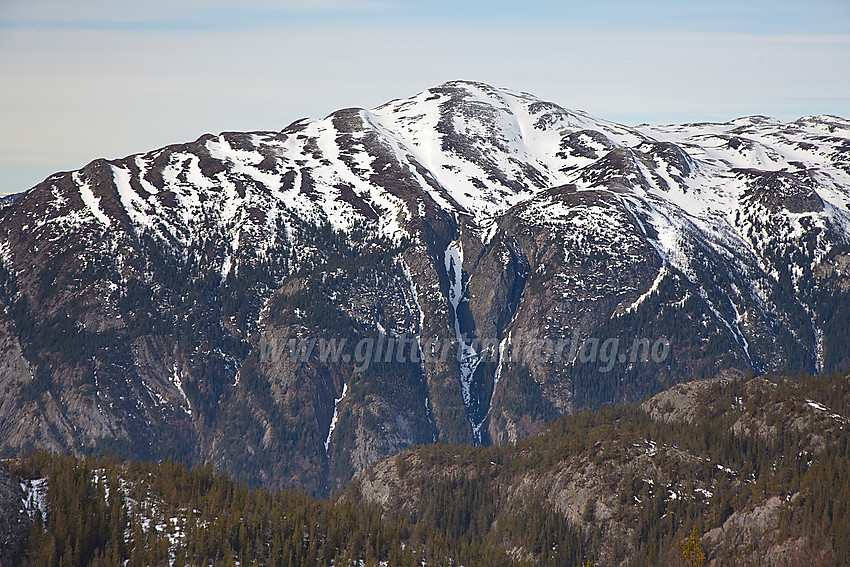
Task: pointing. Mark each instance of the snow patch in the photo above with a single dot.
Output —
(133, 203)
(469, 357)
(704, 492)
(177, 380)
(662, 273)
(35, 497)
(335, 416)
(91, 202)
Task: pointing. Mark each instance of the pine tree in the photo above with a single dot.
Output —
(692, 549)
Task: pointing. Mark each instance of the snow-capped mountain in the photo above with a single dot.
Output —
(151, 303)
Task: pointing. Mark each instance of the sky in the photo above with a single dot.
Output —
(109, 78)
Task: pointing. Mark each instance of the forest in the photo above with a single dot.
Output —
(751, 438)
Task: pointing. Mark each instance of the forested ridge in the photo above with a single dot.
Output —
(742, 470)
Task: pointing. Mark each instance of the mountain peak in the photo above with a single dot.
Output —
(150, 303)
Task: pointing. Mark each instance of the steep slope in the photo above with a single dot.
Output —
(758, 466)
(14, 521)
(501, 260)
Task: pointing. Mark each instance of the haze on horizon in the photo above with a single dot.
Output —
(106, 79)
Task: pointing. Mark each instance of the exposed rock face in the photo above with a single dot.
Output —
(14, 521)
(524, 260)
(742, 528)
(684, 402)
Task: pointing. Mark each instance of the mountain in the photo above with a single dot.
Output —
(461, 266)
(736, 470)
(757, 466)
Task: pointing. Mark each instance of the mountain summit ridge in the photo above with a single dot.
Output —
(138, 292)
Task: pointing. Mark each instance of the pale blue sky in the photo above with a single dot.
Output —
(108, 78)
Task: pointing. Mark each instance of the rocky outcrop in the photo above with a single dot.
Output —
(14, 521)
(607, 475)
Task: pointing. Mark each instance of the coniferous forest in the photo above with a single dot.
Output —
(734, 471)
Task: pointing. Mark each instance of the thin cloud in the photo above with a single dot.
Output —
(159, 15)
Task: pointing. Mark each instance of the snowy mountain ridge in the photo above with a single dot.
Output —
(514, 134)
(137, 291)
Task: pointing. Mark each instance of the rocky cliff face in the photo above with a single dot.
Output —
(500, 259)
(14, 521)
